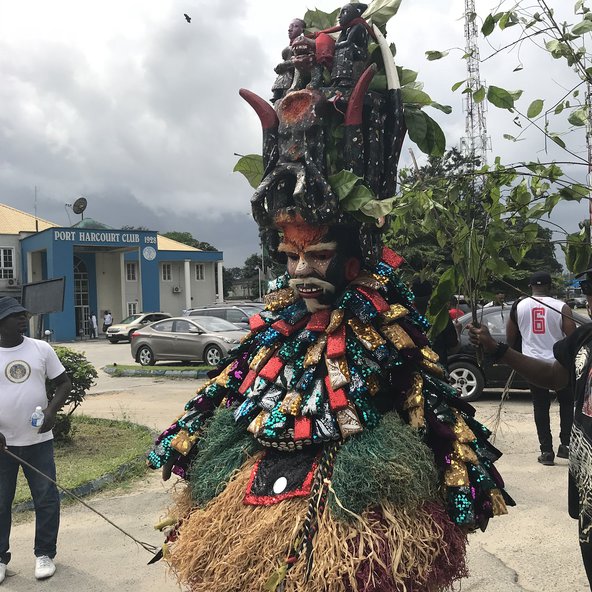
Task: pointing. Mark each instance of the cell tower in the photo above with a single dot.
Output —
(476, 141)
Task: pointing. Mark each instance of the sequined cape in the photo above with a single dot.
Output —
(299, 378)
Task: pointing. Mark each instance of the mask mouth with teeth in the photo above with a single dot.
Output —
(319, 261)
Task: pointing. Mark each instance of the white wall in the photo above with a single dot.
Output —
(109, 286)
(202, 291)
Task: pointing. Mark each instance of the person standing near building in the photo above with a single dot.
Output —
(25, 364)
(539, 322)
(107, 321)
(94, 326)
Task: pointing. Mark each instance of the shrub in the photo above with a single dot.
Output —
(82, 374)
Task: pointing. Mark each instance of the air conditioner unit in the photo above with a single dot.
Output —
(176, 290)
(11, 282)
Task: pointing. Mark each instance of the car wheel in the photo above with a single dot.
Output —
(212, 355)
(145, 356)
(468, 379)
(112, 339)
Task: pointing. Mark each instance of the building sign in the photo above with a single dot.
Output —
(105, 236)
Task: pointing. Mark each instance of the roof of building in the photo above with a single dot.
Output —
(92, 224)
(168, 244)
(13, 221)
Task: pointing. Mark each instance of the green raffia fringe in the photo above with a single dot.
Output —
(389, 462)
(221, 451)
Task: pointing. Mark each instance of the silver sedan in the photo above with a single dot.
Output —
(185, 339)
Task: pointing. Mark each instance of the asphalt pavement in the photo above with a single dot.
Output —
(532, 549)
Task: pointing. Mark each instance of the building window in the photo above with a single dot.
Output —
(199, 271)
(132, 308)
(167, 272)
(130, 272)
(6, 263)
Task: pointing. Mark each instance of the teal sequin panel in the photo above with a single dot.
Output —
(275, 424)
(460, 506)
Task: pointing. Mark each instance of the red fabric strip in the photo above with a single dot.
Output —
(391, 258)
(379, 303)
(336, 343)
(319, 320)
(271, 370)
(337, 399)
(247, 382)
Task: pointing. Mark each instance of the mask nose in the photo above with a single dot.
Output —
(302, 268)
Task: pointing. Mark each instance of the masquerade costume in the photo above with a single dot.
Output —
(328, 453)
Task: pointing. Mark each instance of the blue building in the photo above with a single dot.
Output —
(123, 271)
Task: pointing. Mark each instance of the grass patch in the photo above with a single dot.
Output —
(118, 369)
(98, 447)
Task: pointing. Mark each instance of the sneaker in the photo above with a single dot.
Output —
(547, 458)
(44, 567)
(563, 451)
(3, 568)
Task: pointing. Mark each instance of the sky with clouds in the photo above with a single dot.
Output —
(129, 105)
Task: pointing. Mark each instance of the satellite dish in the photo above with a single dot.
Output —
(79, 206)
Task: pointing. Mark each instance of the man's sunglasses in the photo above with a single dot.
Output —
(586, 287)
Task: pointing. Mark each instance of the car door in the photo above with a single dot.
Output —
(237, 317)
(496, 323)
(187, 340)
(162, 339)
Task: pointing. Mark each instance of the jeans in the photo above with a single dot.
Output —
(541, 403)
(44, 493)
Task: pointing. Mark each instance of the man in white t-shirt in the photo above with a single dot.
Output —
(24, 366)
(541, 321)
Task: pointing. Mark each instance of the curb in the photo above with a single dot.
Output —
(90, 487)
(116, 373)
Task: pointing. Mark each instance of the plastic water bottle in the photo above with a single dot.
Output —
(37, 418)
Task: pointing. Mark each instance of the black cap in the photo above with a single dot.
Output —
(10, 306)
(540, 278)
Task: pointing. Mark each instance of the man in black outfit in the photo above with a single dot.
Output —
(573, 367)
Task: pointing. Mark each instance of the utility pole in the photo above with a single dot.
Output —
(476, 142)
(589, 146)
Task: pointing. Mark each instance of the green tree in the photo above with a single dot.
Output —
(187, 239)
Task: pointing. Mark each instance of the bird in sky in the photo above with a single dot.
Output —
(187, 17)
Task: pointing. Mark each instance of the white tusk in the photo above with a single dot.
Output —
(392, 77)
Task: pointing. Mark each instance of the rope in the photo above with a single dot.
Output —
(146, 546)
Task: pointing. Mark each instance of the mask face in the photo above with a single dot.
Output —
(317, 265)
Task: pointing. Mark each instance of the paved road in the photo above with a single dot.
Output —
(533, 549)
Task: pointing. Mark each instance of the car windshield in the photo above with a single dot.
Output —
(130, 319)
(214, 324)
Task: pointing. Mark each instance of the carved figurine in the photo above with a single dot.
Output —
(351, 49)
(285, 69)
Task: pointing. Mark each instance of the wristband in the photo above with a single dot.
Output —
(500, 351)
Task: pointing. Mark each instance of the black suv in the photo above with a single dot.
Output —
(237, 314)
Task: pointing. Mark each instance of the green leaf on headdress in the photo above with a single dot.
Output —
(317, 20)
(357, 198)
(415, 96)
(251, 166)
(380, 11)
(342, 183)
(378, 208)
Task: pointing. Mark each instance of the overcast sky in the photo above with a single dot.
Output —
(129, 105)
